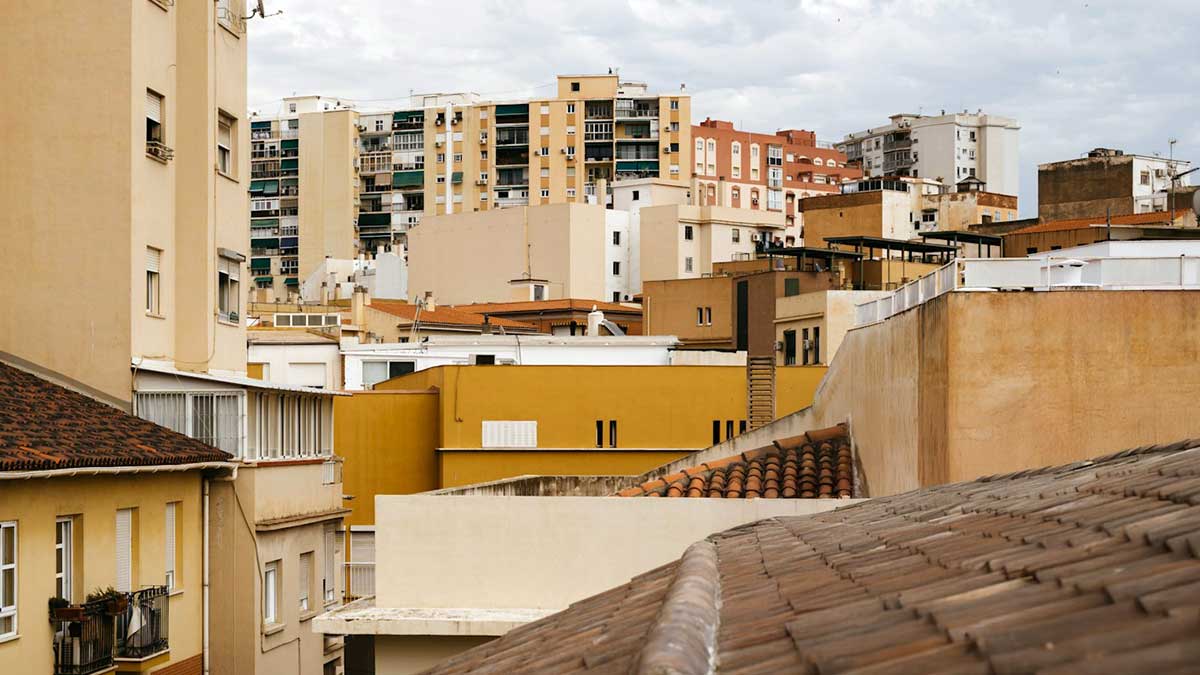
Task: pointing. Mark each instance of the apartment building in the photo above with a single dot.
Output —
(750, 170)
(1108, 182)
(156, 325)
(686, 241)
(945, 147)
(93, 498)
(303, 191)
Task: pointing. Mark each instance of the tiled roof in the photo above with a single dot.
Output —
(815, 464)
(1160, 218)
(288, 336)
(546, 305)
(44, 426)
(1086, 568)
(443, 315)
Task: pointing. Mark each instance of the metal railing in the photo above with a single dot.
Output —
(1037, 274)
(142, 629)
(85, 645)
(159, 150)
(360, 580)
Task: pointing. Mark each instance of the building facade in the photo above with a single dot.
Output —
(946, 148)
(1108, 183)
(772, 172)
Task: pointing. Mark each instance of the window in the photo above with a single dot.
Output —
(616, 239)
(570, 108)
(270, 583)
(570, 131)
(728, 429)
(711, 157)
(674, 104)
(62, 558)
(441, 158)
(545, 131)
(458, 158)
(616, 268)
(570, 155)
(544, 151)
(716, 432)
(329, 582)
(791, 286)
(306, 576)
(674, 126)
(816, 344)
(789, 347)
(8, 579)
(687, 232)
(154, 117)
(545, 173)
(574, 86)
(153, 271)
(227, 288)
(1031, 250)
(637, 195)
(441, 178)
(736, 235)
(124, 550)
(804, 345)
(545, 193)
(212, 417)
(375, 372)
(171, 529)
(699, 155)
(699, 316)
(616, 296)
(612, 433)
(599, 433)
(972, 135)
(708, 316)
(1145, 178)
(225, 144)
(687, 264)
(735, 159)
(539, 292)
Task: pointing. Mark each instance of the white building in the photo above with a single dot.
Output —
(367, 364)
(947, 148)
(385, 276)
(295, 357)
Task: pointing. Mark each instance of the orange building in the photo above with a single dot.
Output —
(744, 169)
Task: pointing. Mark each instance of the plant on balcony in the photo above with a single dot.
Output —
(115, 601)
(61, 609)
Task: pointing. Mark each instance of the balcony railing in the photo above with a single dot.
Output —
(142, 629)
(159, 151)
(360, 580)
(86, 645)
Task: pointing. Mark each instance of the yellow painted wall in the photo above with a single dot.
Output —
(466, 467)
(388, 440)
(93, 501)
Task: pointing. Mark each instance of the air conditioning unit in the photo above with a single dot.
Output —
(807, 345)
(481, 181)
(570, 156)
(439, 121)
(361, 128)
(439, 143)
(779, 345)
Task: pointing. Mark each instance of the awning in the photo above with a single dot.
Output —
(408, 179)
(257, 185)
(289, 144)
(291, 281)
(406, 115)
(262, 279)
(637, 166)
(264, 242)
(264, 222)
(263, 264)
(513, 109)
(261, 125)
(289, 163)
(456, 177)
(270, 187)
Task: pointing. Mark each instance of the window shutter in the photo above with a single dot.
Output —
(153, 259)
(305, 563)
(170, 540)
(223, 134)
(153, 106)
(362, 547)
(124, 552)
(330, 559)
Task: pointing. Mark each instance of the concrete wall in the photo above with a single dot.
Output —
(831, 311)
(328, 146)
(92, 502)
(879, 213)
(279, 360)
(402, 654)
(541, 553)
(1086, 188)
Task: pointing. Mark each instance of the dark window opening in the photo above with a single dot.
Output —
(728, 429)
(599, 433)
(612, 433)
(398, 368)
(789, 347)
(716, 432)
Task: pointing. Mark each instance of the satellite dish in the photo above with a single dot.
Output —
(1196, 203)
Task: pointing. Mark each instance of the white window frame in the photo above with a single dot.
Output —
(328, 581)
(64, 527)
(170, 543)
(225, 150)
(154, 281)
(8, 606)
(124, 577)
(270, 597)
(229, 288)
(176, 410)
(303, 600)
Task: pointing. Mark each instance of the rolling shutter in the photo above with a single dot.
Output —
(170, 543)
(153, 106)
(124, 550)
(153, 259)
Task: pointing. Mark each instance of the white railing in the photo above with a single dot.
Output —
(1036, 274)
(360, 580)
(331, 472)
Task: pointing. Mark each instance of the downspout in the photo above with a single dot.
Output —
(206, 658)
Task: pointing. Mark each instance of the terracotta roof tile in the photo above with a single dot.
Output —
(545, 305)
(44, 426)
(1152, 218)
(444, 315)
(1092, 567)
(817, 464)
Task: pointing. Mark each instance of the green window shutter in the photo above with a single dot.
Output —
(791, 287)
(289, 144)
(267, 242)
(406, 115)
(456, 177)
(271, 187)
(408, 178)
(261, 125)
(289, 163)
(257, 185)
(263, 264)
(263, 279)
(264, 222)
(513, 109)
(291, 281)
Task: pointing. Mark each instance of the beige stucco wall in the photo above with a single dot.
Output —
(404, 654)
(93, 502)
(831, 311)
(664, 249)
(534, 552)
(328, 146)
(564, 245)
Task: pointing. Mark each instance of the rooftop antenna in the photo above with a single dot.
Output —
(261, 12)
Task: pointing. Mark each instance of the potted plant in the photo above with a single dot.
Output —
(61, 609)
(115, 601)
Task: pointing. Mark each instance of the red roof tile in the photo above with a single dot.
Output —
(546, 305)
(818, 464)
(443, 315)
(1092, 567)
(44, 426)
(1153, 218)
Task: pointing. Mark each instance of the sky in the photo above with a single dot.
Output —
(1075, 75)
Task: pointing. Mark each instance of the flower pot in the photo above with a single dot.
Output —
(117, 605)
(69, 613)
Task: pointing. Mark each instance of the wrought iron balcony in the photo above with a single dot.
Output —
(142, 628)
(83, 644)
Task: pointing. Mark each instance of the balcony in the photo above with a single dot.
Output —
(142, 629)
(159, 150)
(289, 133)
(509, 137)
(627, 109)
(84, 645)
(360, 580)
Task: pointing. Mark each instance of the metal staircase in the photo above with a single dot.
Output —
(760, 390)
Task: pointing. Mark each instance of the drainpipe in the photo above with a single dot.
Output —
(206, 658)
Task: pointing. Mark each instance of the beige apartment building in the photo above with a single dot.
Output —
(682, 241)
(147, 315)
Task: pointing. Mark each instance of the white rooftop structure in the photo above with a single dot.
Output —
(385, 276)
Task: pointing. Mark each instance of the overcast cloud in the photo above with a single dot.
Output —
(1076, 75)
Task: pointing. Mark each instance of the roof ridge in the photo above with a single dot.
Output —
(683, 639)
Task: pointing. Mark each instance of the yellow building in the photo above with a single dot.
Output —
(456, 425)
(92, 498)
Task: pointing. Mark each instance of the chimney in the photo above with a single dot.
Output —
(602, 192)
(359, 302)
(486, 329)
(428, 303)
(594, 318)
